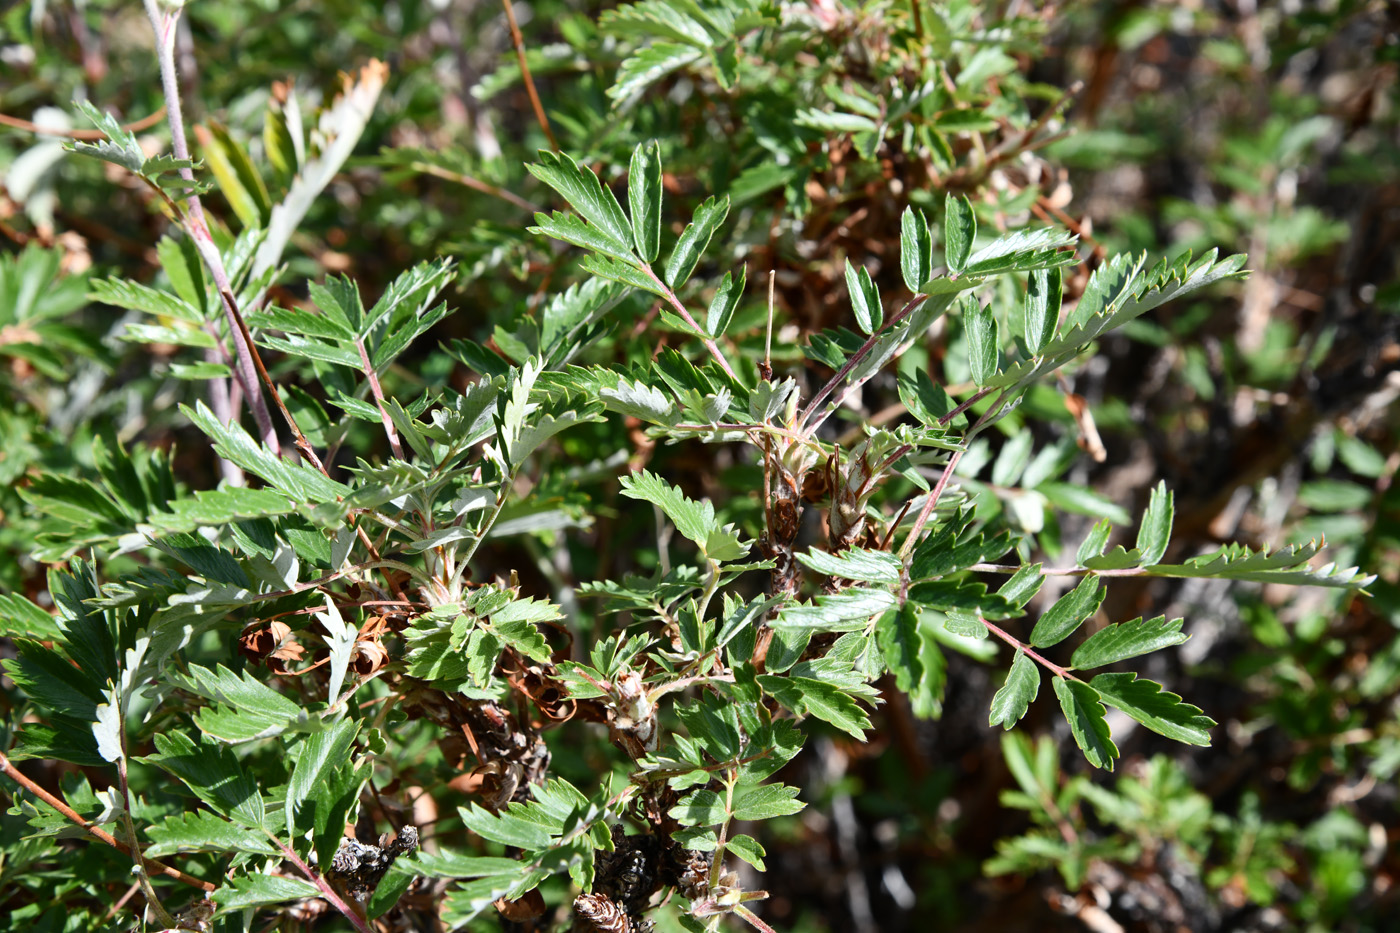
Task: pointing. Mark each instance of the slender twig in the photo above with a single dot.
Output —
(675, 302)
(437, 171)
(153, 903)
(10, 771)
(82, 135)
(977, 397)
(851, 363)
(355, 917)
(1016, 643)
(912, 538)
(164, 21)
(519, 41)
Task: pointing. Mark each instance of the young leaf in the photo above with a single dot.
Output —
(1068, 613)
(1125, 640)
(1043, 296)
(865, 298)
(983, 338)
(586, 195)
(959, 230)
(1085, 714)
(1163, 712)
(694, 238)
(915, 249)
(1156, 529)
(1017, 694)
(723, 304)
(644, 199)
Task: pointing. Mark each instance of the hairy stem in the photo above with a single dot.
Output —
(850, 365)
(1019, 645)
(374, 388)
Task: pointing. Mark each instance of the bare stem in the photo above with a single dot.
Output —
(675, 302)
(10, 771)
(1016, 643)
(976, 397)
(164, 22)
(437, 171)
(519, 41)
(153, 903)
(85, 135)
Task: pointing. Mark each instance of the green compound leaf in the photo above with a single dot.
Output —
(1068, 613)
(1125, 640)
(1016, 695)
(1163, 712)
(1085, 714)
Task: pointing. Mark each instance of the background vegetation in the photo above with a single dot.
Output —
(1264, 404)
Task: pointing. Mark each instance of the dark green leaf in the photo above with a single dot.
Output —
(1085, 714)
(1162, 712)
(696, 236)
(1156, 529)
(1043, 296)
(915, 249)
(724, 302)
(983, 338)
(959, 230)
(1017, 693)
(1069, 612)
(1125, 640)
(644, 199)
(585, 194)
